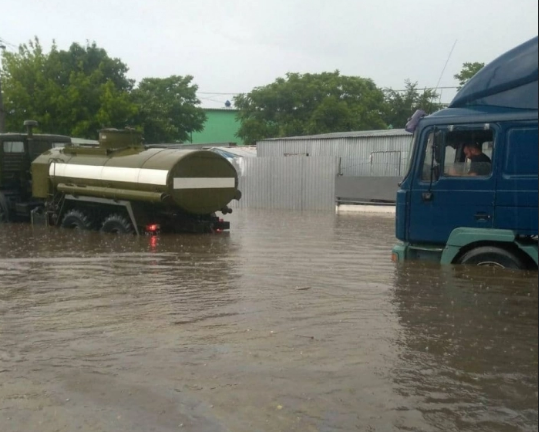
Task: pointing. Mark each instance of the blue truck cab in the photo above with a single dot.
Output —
(470, 195)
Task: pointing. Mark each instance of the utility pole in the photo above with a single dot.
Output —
(2, 111)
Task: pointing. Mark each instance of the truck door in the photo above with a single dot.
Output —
(516, 197)
(12, 162)
(448, 190)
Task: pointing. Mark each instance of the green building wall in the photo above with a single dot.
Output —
(221, 126)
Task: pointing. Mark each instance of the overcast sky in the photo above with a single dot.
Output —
(232, 46)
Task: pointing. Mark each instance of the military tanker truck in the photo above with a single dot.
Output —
(117, 186)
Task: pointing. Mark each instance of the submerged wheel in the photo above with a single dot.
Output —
(76, 219)
(117, 224)
(492, 256)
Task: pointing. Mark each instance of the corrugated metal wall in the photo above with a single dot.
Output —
(366, 189)
(378, 155)
(292, 183)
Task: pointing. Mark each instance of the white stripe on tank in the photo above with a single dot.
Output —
(104, 173)
(204, 183)
(137, 176)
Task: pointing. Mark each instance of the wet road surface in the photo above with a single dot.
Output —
(290, 322)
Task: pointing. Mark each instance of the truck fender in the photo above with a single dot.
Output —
(463, 237)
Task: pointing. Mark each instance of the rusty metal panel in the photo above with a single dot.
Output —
(291, 183)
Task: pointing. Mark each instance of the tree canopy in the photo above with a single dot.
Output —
(400, 105)
(81, 90)
(306, 104)
(168, 109)
(74, 92)
(467, 72)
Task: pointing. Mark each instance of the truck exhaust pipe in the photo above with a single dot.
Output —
(30, 125)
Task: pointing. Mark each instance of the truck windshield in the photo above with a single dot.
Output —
(13, 147)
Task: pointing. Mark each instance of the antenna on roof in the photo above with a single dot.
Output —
(443, 70)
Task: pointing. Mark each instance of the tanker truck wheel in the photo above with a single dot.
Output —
(117, 224)
(76, 219)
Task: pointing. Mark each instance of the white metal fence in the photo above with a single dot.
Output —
(294, 183)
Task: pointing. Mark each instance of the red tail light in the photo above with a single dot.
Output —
(153, 228)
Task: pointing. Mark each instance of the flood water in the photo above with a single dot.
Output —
(290, 322)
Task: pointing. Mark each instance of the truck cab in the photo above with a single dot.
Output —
(470, 194)
(17, 152)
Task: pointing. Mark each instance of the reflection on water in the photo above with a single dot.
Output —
(469, 338)
(290, 322)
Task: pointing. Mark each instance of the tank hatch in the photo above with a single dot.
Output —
(116, 139)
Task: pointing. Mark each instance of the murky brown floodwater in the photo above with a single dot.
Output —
(289, 323)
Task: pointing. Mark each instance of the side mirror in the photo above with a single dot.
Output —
(413, 121)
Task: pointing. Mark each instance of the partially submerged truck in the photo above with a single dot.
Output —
(117, 186)
(452, 210)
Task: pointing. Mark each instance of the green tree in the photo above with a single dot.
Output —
(305, 104)
(74, 92)
(467, 72)
(168, 110)
(400, 105)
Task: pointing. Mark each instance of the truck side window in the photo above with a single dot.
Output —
(13, 147)
(469, 153)
(455, 162)
(452, 165)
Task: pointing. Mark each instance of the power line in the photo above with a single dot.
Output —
(426, 88)
(388, 88)
(5, 42)
(219, 93)
(212, 100)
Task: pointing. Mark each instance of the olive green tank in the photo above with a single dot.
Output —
(120, 167)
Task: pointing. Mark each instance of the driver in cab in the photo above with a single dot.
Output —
(480, 163)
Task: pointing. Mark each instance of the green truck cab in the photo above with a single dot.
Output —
(17, 151)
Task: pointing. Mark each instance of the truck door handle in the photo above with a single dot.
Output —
(427, 196)
(482, 216)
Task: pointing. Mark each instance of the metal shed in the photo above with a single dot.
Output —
(379, 153)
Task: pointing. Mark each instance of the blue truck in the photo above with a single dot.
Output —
(470, 194)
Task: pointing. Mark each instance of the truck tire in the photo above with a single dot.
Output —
(76, 219)
(117, 224)
(492, 256)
